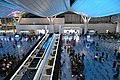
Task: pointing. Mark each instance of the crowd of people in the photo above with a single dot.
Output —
(105, 55)
(116, 63)
(100, 55)
(77, 65)
(8, 60)
(7, 63)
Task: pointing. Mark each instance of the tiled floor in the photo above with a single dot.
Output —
(95, 70)
(66, 68)
(20, 49)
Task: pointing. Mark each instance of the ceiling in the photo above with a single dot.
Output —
(48, 8)
(96, 8)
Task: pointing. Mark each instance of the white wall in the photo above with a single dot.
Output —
(36, 27)
(101, 28)
(41, 21)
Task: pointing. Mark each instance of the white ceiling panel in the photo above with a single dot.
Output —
(48, 8)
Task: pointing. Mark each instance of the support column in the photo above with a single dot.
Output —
(86, 21)
(118, 24)
(51, 23)
(17, 22)
(45, 27)
(60, 29)
(118, 27)
(80, 30)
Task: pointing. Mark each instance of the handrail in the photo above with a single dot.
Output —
(27, 58)
(57, 36)
(15, 68)
(57, 62)
(41, 57)
(54, 59)
(40, 68)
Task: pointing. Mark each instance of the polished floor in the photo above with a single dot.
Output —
(93, 69)
(18, 51)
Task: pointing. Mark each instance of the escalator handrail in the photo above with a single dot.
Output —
(57, 62)
(55, 59)
(40, 70)
(25, 59)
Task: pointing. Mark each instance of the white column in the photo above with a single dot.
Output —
(86, 27)
(118, 27)
(86, 21)
(51, 28)
(45, 27)
(17, 23)
(118, 24)
(60, 29)
(80, 30)
(51, 23)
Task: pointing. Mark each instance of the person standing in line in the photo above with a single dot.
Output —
(100, 58)
(114, 64)
(102, 54)
(78, 55)
(107, 55)
(14, 46)
(115, 52)
(83, 55)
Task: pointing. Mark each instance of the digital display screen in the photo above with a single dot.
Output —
(88, 36)
(17, 35)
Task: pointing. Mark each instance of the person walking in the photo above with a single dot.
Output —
(83, 55)
(106, 55)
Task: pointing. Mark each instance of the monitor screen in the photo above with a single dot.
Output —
(17, 35)
(88, 36)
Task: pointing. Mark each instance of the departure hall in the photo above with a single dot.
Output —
(59, 39)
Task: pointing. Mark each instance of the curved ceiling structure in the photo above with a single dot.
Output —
(4, 11)
(6, 8)
(9, 5)
(44, 8)
(96, 8)
(48, 8)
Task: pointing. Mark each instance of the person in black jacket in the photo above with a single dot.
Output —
(106, 55)
(83, 55)
(114, 64)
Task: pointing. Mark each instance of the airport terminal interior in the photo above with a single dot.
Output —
(59, 39)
